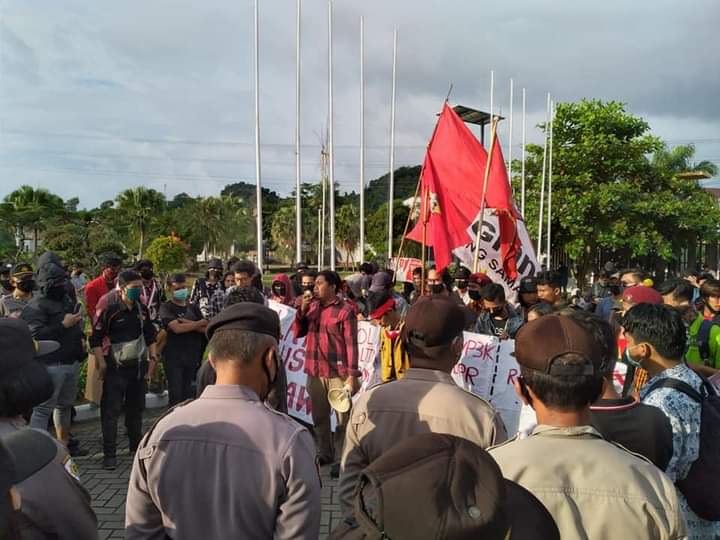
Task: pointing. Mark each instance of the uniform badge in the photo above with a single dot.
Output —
(71, 467)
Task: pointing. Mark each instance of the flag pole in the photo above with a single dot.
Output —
(407, 221)
(510, 135)
(258, 185)
(522, 169)
(323, 176)
(362, 138)
(425, 217)
(298, 191)
(550, 186)
(493, 129)
(492, 95)
(542, 185)
(319, 239)
(391, 181)
(331, 146)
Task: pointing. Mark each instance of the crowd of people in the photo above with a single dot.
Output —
(416, 456)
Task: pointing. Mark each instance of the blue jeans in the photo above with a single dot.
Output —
(65, 383)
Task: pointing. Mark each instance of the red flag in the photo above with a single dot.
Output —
(453, 175)
(452, 178)
(499, 197)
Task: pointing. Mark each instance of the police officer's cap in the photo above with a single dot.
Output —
(557, 345)
(441, 486)
(21, 270)
(432, 323)
(246, 316)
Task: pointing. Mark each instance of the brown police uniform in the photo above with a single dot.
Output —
(226, 465)
(423, 401)
(593, 488)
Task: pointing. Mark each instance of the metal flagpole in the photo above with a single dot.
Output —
(391, 183)
(257, 143)
(298, 191)
(478, 237)
(331, 148)
(492, 96)
(510, 136)
(362, 138)
(522, 169)
(542, 185)
(319, 239)
(323, 177)
(550, 186)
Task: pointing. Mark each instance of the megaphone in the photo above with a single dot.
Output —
(339, 399)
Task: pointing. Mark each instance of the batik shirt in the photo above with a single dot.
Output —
(684, 415)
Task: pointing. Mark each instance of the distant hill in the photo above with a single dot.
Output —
(406, 179)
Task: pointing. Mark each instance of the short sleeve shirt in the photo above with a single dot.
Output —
(182, 349)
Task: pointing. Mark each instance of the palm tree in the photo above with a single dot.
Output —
(140, 206)
(347, 230)
(30, 207)
(680, 159)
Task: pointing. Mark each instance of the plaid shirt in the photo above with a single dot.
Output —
(330, 333)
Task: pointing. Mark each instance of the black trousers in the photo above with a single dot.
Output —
(179, 381)
(123, 390)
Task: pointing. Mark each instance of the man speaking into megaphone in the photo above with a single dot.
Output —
(329, 326)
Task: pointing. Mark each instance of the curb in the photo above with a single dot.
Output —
(91, 411)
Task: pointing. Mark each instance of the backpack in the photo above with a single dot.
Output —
(700, 485)
(703, 340)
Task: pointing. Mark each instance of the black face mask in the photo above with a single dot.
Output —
(271, 380)
(215, 273)
(6, 284)
(498, 312)
(279, 290)
(437, 288)
(475, 295)
(461, 284)
(26, 286)
(56, 293)
(147, 274)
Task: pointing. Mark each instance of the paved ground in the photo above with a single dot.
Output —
(109, 488)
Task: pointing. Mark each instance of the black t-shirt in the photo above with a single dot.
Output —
(640, 428)
(499, 325)
(184, 349)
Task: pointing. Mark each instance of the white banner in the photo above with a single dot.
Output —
(292, 355)
(405, 267)
(490, 261)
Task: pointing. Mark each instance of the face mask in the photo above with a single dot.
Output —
(630, 360)
(279, 290)
(437, 288)
(6, 285)
(497, 312)
(308, 288)
(475, 295)
(26, 286)
(215, 273)
(180, 294)
(147, 274)
(56, 293)
(133, 294)
(461, 284)
(271, 380)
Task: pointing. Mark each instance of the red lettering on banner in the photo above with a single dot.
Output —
(291, 387)
(362, 335)
(619, 378)
(485, 351)
(512, 375)
(303, 401)
(297, 360)
(470, 345)
(470, 373)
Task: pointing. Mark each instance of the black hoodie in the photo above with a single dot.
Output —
(45, 316)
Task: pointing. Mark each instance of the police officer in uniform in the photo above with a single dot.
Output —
(593, 488)
(226, 465)
(425, 400)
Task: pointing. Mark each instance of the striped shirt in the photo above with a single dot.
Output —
(330, 332)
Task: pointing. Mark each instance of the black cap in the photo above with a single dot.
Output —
(17, 345)
(461, 273)
(432, 322)
(215, 264)
(528, 285)
(441, 486)
(21, 270)
(246, 316)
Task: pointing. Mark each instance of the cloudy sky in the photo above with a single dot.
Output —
(96, 97)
